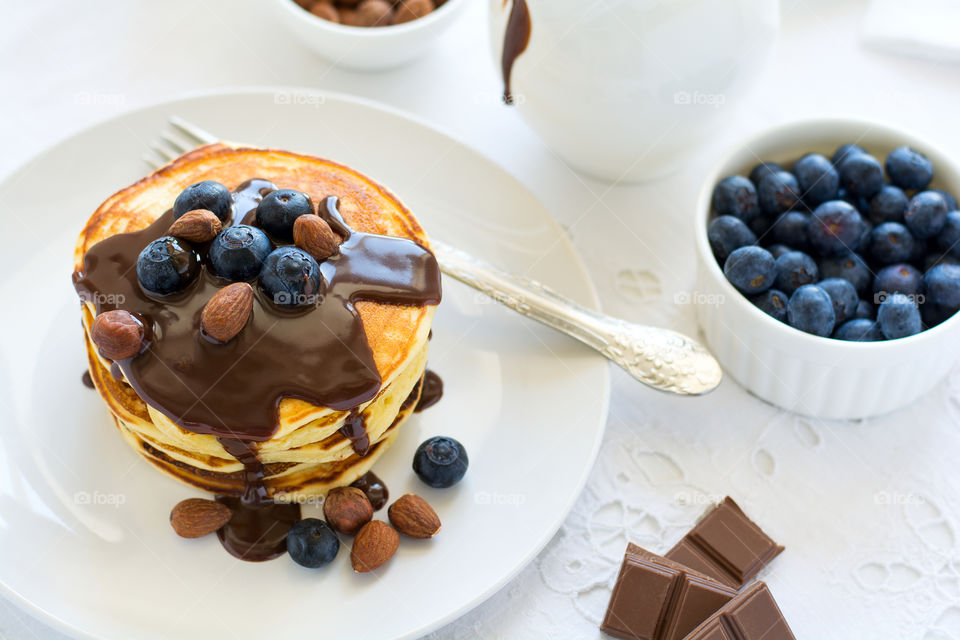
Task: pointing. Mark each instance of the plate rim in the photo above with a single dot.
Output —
(56, 622)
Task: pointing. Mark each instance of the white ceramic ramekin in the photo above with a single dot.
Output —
(801, 372)
(367, 48)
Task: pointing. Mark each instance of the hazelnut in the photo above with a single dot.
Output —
(348, 3)
(410, 10)
(346, 509)
(325, 10)
(304, 4)
(374, 13)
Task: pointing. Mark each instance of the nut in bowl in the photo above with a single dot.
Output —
(368, 35)
(800, 367)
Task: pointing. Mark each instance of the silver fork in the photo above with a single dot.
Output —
(659, 358)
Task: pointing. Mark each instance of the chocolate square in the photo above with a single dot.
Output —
(752, 615)
(726, 545)
(655, 598)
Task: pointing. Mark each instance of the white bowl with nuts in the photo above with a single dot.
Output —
(368, 35)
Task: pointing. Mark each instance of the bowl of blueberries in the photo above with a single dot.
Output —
(829, 272)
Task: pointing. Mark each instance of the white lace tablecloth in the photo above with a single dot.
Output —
(869, 511)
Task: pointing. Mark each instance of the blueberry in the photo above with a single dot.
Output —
(926, 214)
(727, 233)
(859, 330)
(951, 201)
(861, 175)
(865, 310)
(165, 265)
(888, 205)
(843, 296)
(891, 242)
(942, 285)
(817, 177)
(897, 278)
(795, 269)
(777, 250)
(773, 303)
(778, 192)
(863, 242)
(934, 314)
(278, 209)
(762, 169)
(861, 204)
(933, 259)
(750, 269)
(440, 462)
(845, 150)
(949, 237)
(208, 195)
(237, 253)
(761, 225)
(899, 317)
(810, 309)
(312, 543)
(791, 229)
(835, 227)
(291, 277)
(850, 266)
(909, 169)
(736, 196)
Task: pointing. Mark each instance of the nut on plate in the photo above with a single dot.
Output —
(197, 517)
(312, 234)
(347, 509)
(226, 313)
(374, 544)
(412, 516)
(198, 225)
(118, 334)
(325, 10)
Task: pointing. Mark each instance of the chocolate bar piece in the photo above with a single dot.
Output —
(752, 615)
(726, 545)
(658, 599)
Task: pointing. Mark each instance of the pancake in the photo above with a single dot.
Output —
(312, 447)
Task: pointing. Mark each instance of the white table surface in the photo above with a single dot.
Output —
(868, 510)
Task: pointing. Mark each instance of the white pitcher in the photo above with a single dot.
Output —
(623, 89)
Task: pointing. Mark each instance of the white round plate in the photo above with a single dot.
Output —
(85, 541)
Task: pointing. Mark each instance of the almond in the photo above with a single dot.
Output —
(196, 517)
(346, 509)
(412, 516)
(226, 313)
(312, 234)
(198, 225)
(374, 544)
(118, 334)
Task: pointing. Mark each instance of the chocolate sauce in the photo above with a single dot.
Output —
(319, 354)
(374, 488)
(87, 380)
(515, 42)
(355, 430)
(233, 389)
(432, 391)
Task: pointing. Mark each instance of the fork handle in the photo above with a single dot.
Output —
(659, 358)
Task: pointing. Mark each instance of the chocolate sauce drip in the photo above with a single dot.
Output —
(432, 391)
(87, 380)
(515, 42)
(374, 488)
(355, 430)
(115, 371)
(233, 389)
(258, 529)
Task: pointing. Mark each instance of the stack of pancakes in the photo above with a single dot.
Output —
(307, 455)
